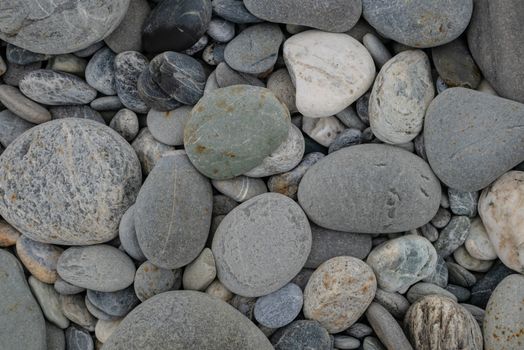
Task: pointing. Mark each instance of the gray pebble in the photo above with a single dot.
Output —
(350, 118)
(15, 54)
(66, 288)
(125, 122)
(245, 305)
(152, 95)
(420, 149)
(440, 85)
(74, 308)
(128, 66)
(453, 235)
(345, 342)
(198, 46)
(214, 54)
(476, 312)
(279, 308)
(55, 337)
(221, 30)
(441, 218)
(100, 71)
(149, 150)
(347, 138)
(211, 83)
(362, 107)
(234, 11)
(151, 280)
(240, 188)
(199, 274)
(483, 289)
(430, 232)
(359, 330)
(372, 343)
(117, 304)
(128, 35)
(12, 126)
(460, 293)
(440, 276)
(226, 76)
(78, 339)
(127, 235)
(463, 203)
(96, 312)
(303, 334)
(168, 127)
(421, 289)
(460, 276)
(377, 49)
(222, 204)
(386, 327)
(15, 72)
(281, 85)
(106, 103)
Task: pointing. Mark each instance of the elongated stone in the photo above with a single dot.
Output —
(128, 67)
(149, 150)
(23, 107)
(49, 301)
(100, 71)
(386, 328)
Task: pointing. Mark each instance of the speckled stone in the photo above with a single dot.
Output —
(199, 274)
(421, 289)
(274, 240)
(39, 258)
(82, 112)
(387, 329)
(279, 308)
(23, 107)
(128, 35)
(347, 138)
(149, 150)
(128, 66)
(463, 203)
(48, 155)
(117, 304)
(265, 123)
(99, 267)
(74, 308)
(68, 63)
(465, 260)
(396, 304)
(214, 54)
(151, 280)
(55, 337)
(8, 234)
(240, 188)
(125, 122)
(226, 76)
(78, 339)
(100, 71)
(478, 243)
(49, 302)
(18, 55)
(56, 88)
(168, 127)
(455, 65)
(303, 334)
(66, 288)
(152, 95)
(323, 130)
(338, 292)
(12, 126)
(453, 235)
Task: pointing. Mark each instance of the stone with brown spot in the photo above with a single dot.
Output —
(8, 234)
(39, 258)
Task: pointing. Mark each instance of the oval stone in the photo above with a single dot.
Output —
(478, 243)
(302, 334)
(100, 71)
(149, 150)
(265, 124)
(168, 127)
(116, 304)
(261, 245)
(279, 308)
(151, 280)
(128, 67)
(370, 189)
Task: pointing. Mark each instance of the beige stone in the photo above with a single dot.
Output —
(464, 259)
(8, 234)
(104, 329)
(478, 244)
(218, 290)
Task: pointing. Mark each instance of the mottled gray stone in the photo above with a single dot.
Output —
(152, 95)
(491, 143)
(418, 23)
(350, 119)
(128, 66)
(421, 289)
(22, 325)
(460, 293)
(222, 205)
(100, 71)
(128, 35)
(430, 232)
(127, 235)
(483, 289)
(282, 86)
(440, 276)
(359, 330)
(455, 65)
(54, 157)
(303, 334)
(74, 308)
(68, 63)
(18, 55)
(149, 150)
(78, 339)
(273, 239)
(234, 11)
(221, 30)
(202, 322)
(15, 72)
(125, 122)
(66, 288)
(460, 276)
(225, 76)
(345, 342)
(330, 16)
(96, 312)
(106, 103)
(82, 112)
(55, 337)
(386, 327)
(56, 88)
(463, 203)
(151, 280)
(395, 303)
(372, 343)
(168, 127)
(279, 308)
(117, 304)
(240, 188)
(362, 195)
(49, 302)
(12, 126)
(441, 218)
(100, 267)
(453, 235)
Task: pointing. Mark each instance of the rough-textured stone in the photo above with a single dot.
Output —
(303, 334)
(347, 138)
(200, 272)
(78, 339)
(78, 111)
(23, 107)
(386, 327)
(149, 150)
(279, 308)
(12, 126)
(453, 235)
(151, 280)
(455, 65)
(116, 304)
(49, 302)
(234, 11)
(478, 243)
(39, 258)
(100, 71)
(128, 35)
(168, 127)
(74, 308)
(128, 66)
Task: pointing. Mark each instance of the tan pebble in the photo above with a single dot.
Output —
(8, 234)
(39, 258)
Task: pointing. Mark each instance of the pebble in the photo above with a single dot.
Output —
(222, 204)
(347, 138)
(234, 11)
(386, 327)
(104, 329)
(421, 289)
(273, 241)
(55, 337)
(78, 339)
(246, 147)
(90, 50)
(23, 107)
(279, 308)
(463, 258)
(214, 54)
(100, 267)
(476, 312)
(18, 55)
(478, 243)
(441, 218)
(345, 342)
(455, 157)
(198, 46)
(323, 130)
(175, 25)
(245, 305)
(460, 293)
(221, 30)
(363, 197)
(401, 94)
(377, 49)
(8, 234)
(329, 70)
(218, 290)
(401, 262)
(327, 244)
(15, 72)
(350, 119)
(127, 235)
(170, 237)
(44, 158)
(12, 126)
(199, 274)
(302, 334)
(68, 63)
(66, 288)
(330, 16)
(3, 66)
(436, 322)
(125, 122)
(460, 276)
(359, 330)
(39, 258)
(78, 111)
(116, 304)
(56, 88)
(22, 324)
(74, 308)
(339, 292)
(418, 24)
(96, 312)
(168, 127)
(255, 49)
(372, 343)
(128, 66)
(49, 302)
(455, 65)
(483, 289)
(49, 28)
(128, 35)
(440, 276)
(281, 85)
(106, 103)
(152, 95)
(149, 150)
(226, 76)
(453, 235)
(100, 71)
(151, 280)
(429, 232)
(240, 188)
(463, 203)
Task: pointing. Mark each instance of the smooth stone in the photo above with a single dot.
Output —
(386, 327)
(125, 122)
(418, 23)
(460, 276)
(66, 288)
(302, 278)
(128, 66)
(483, 289)
(151, 325)
(478, 243)
(460, 293)
(240, 188)
(345, 342)
(225, 76)
(361, 28)
(180, 76)
(280, 308)
(128, 35)
(117, 304)
(465, 260)
(491, 136)
(104, 329)
(168, 127)
(330, 16)
(496, 46)
(396, 304)
(221, 30)
(12, 126)
(23, 107)
(214, 54)
(500, 209)
(175, 25)
(455, 65)
(149, 150)
(68, 63)
(401, 94)
(127, 235)
(377, 49)
(372, 343)
(39, 258)
(453, 235)
(440, 85)
(78, 339)
(504, 315)
(100, 267)
(463, 203)
(363, 196)
(350, 119)
(152, 95)
(96, 312)
(401, 262)
(151, 280)
(74, 308)
(106, 103)
(437, 322)
(265, 125)
(359, 330)
(100, 71)
(327, 244)
(302, 334)
(218, 290)
(273, 241)
(329, 70)
(440, 276)
(56, 88)
(18, 55)
(339, 292)
(430, 232)
(55, 337)
(234, 11)
(90, 210)
(323, 130)
(485, 87)
(56, 28)
(199, 274)
(476, 312)
(223, 204)
(441, 218)
(280, 83)
(347, 138)
(22, 325)
(8, 234)
(49, 302)
(78, 111)
(255, 49)
(15, 72)
(421, 289)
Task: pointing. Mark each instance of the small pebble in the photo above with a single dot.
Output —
(234, 11)
(478, 243)
(386, 327)
(214, 54)
(67, 288)
(125, 122)
(359, 330)
(345, 342)
(463, 203)
(117, 304)
(8, 234)
(106, 103)
(199, 274)
(226, 76)
(152, 95)
(323, 130)
(464, 259)
(128, 67)
(68, 63)
(453, 235)
(74, 308)
(218, 290)
(78, 339)
(279, 308)
(461, 294)
(441, 218)
(460, 276)
(221, 30)
(40, 259)
(151, 280)
(149, 150)
(104, 329)
(350, 119)
(240, 188)
(168, 127)
(302, 334)
(281, 85)
(49, 302)
(100, 71)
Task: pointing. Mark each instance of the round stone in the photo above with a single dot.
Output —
(463, 203)
(128, 35)
(240, 188)
(261, 245)
(23, 107)
(339, 292)
(279, 308)
(63, 27)
(218, 290)
(152, 95)
(168, 127)
(201, 272)
(149, 150)
(441, 218)
(303, 334)
(478, 243)
(221, 30)
(49, 301)
(125, 122)
(116, 304)
(128, 67)
(234, 11)
(39, 258)
(100, 71)
(265, 125)
(151, 280)
(102, 181)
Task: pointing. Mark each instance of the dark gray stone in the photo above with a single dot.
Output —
(128, 66)
(128, 35)
(460, 276)
(15, 72)
(221, 30)
(245, 305)
(302, 278)
(96, 312)
(461, 294)
(490, 141)
(12, 126)
(106, 103)
(455, 65)
(222, 205)
(476, 312)
(453, 235)
(234, 11)
(463, 203)
(372, 343)
(347, 138)
(430, 232)
(149, 150)
(55, 337)
(78, 339)
(198, 46)
(482, 290)
(386, 328)
(152, 95)
(440, 276)
(127, 235)
(15, 54)
(82, 112)
(168, 127)
(226, 76)
(125, 122)
(100, 71)
(117, 304)
(151, 280)
(303, 334)
(280, 308)
(421, 289)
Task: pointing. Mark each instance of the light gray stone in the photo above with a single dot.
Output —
(68, 63)
(23, 107)
(240, 188)
(465, 260)
(74, 308)
(377, 49)
(125, 122)
(168, 127)
(478, 243)
(66, 288)
(386, 327)
(221, 30)
(104, 329)
(226, 76)
(49, 302)
(127, 235)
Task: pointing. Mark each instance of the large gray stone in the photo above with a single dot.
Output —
(55, 337)
(359, 189)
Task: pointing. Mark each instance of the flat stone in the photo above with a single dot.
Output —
(280, 83)
(49, 302)
(418, 23)
(168, 127)
(234, 11)
(74, 308)
(465, 260)
(386, 327)
(55, 28)
(56, 88)
(100, 71)
(396, 304)
(151, 280)
(273, 239)
(226, 76)
(106, 103)
(128, 35)
(455, 65)
(363, 196)
(78, 339)
(152, 95)
(82, 112)
(460, 276)
(453, 235)
(323, 130)
(491, 141)
(240, 188)
(22, 325)
(127, 235)
(223, 204)
(12, 126)
(55, 337)
(199, 274)
(23, 107)
(280, 308)
(18, 55)
(265, 125)
(421, 289)
(359, 330)
(125, 122)
(401, 94)
(151, 323)
(221, 30)
(483, 289)
(68, 63)
(100, 267)
(40, 166)
(39, 258)
(478, 243)
(128, 66)
(104, 329)
(66, 288)
(401, 262)
(330, 71)
(149, 150)
(117, 304)
(440, 276)
(302, 334)
(463, 203)
(372, 343)
(8, 234)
